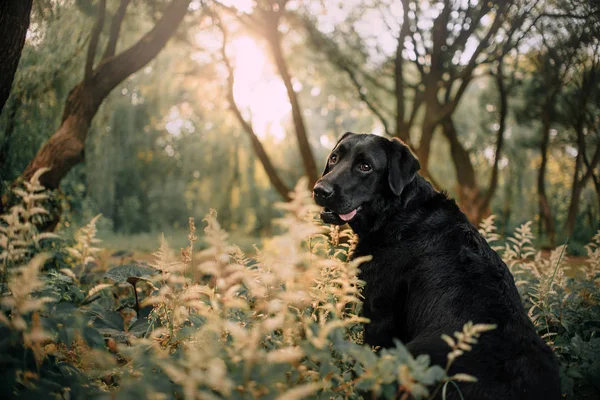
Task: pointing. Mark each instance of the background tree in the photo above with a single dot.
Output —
(257, 146)
(64, 149)
(14, 21)
(440, 49)
(264, 21)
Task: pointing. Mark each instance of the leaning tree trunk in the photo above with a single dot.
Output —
(259, 150)
(14, 22)
(274, 40)
(64, 149)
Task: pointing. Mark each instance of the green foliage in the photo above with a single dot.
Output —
(283, 323)
(563, 301)
(216, 323)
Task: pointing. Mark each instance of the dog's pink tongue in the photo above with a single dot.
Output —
(349, 216)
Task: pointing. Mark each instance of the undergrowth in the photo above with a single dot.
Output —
(214, 322)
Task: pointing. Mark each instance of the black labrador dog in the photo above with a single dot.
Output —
(431, 271)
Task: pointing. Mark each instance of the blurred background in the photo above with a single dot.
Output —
(151, 111)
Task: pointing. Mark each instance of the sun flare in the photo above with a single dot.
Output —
(258, 90)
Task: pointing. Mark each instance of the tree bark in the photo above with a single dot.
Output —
(546, 218)
(428, 127)
(14, 22)
(508, 197)
(580, 114)
(469, 195)
(274, 40)
(576, 189)
(579, 184)
(402, 128)
(64, 149)
(12, 109)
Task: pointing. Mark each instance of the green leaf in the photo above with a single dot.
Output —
(107, 319)
(66, 336)
(130, 273)
(93, 338)
(140, 327)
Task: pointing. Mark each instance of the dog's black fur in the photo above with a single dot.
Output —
(431, 271)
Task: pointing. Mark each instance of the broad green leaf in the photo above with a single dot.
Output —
(130, 273)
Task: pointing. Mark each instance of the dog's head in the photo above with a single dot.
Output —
(363, 172)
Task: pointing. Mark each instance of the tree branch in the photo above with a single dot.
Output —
(449, 108)
(336, 58)
(115, 29)
(114, 70)
(465, 34)
(91, 54)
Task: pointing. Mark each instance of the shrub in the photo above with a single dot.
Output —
(282, 323)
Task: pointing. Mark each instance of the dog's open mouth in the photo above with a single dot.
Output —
(346, 217)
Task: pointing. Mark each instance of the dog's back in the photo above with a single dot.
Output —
(432, 272)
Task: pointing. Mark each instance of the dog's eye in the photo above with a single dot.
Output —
(333, 158)
(364, 167)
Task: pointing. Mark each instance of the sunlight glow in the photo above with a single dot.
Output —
(259, 92)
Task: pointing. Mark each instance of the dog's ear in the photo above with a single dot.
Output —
(345, 135)
(402, 166)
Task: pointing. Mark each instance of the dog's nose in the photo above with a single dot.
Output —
(322, 190)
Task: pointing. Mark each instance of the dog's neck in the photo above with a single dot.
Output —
(417, 192)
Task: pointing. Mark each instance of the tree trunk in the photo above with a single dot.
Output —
(579, 184)
(13, 107)
(257, 146)
(427, 132)
(574, 203)
(508, 197)
(484, 205)
(546, 218)
(469, 195)
(308, 159)
(260, 152)
(14, 22)
(64, 149)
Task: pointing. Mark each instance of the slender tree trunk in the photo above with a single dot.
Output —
(427, 132)
(308, 159)
(402, 128)
(64, 149)
(14, 22)
(579, 183)
(581, 162)
(546, 218)
(6, 140)
(257, 146)
(576, 189)
(508, 197)
(469, 194)
(260, 152)
(484, 205)
(596, 181)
